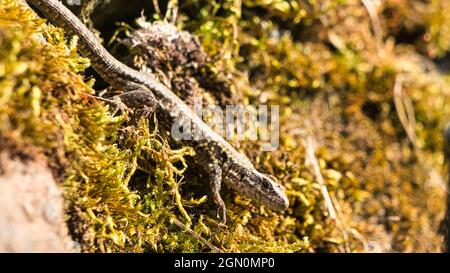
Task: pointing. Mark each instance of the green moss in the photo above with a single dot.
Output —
(333, 78)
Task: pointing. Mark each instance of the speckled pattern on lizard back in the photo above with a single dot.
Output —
(221, 161)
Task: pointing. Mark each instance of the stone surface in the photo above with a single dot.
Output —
(31, 207)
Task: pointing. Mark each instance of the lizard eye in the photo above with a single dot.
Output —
(265, 185)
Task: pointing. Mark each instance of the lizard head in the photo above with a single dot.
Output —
(261, 188)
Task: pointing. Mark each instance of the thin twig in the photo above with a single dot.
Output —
(195, 235)
(157, 9)
(405, 112)
(310, 150)
(376, 25)
(332, 205)
(172, 11)
(342, 224)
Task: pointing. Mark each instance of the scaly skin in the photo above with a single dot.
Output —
(221, 161)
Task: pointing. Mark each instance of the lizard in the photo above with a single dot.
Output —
(221, 161)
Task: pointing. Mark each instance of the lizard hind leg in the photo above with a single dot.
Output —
(215, 181)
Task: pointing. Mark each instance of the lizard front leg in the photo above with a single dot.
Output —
(139, 98)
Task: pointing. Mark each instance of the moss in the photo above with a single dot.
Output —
(122, 182)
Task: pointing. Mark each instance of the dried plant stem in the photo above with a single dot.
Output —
(172, 11)
(334, 210)
(405, 112)
(156, 6)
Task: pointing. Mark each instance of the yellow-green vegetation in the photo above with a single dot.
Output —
(367, 108)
